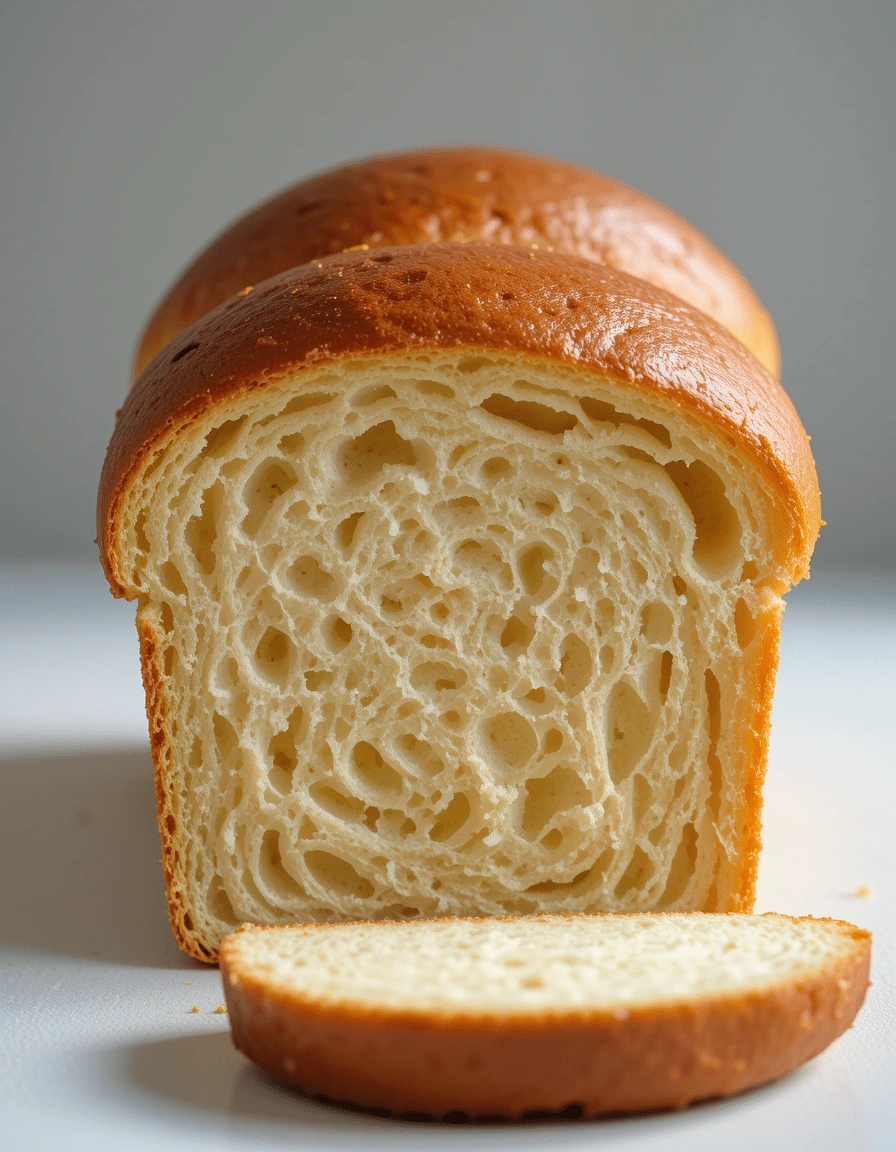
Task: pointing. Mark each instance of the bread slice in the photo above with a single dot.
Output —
(480, 195)
(501, 1017)
(459, 576)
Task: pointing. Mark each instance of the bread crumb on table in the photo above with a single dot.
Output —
(221, 1010)
(195, 1008)
(863, 892)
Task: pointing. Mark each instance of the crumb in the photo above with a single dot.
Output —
(195, 1008)
(221, 1010)
(188, 982)
(357, 248)
(863, 892)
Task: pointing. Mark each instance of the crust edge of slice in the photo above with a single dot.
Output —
(598, 1062)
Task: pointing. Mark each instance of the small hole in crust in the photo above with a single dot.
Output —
(185, 351)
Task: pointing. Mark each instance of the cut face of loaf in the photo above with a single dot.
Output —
(453, 631)
(500, 1017)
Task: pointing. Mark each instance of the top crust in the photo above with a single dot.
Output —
(537, 303)
(482, 195)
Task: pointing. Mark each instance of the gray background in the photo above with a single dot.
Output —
(131, 132)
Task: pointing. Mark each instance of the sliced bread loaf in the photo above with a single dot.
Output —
(480, 195)
(459, 573)
(502, 1017)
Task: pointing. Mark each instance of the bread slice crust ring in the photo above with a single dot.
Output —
(519, 1054)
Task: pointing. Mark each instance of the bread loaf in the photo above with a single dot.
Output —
(592, 1015)
(459, 574)
(485, 195)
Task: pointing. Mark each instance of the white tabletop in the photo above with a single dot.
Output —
(101, 1049)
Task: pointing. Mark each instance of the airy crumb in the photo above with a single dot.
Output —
(221, 1010)
(195, 1008)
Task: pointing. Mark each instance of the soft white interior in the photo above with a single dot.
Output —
(452, 635)
(537, 962)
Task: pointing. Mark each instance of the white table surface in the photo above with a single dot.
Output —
(100, 1049)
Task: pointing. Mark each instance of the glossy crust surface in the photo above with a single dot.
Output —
(485, 195)
(534, 303)
(641, 1059)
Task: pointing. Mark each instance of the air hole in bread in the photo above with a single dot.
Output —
(337, 803)
(274, 655)
(347, 529)
(530, 413)
(481, 561)
(745, 624)
(336, 876)
(434, 388)
(169, 574)
(576, 666)
(337, 632)
(553, 741)
(718, 546)
(531, 567)
(681, 871)
(605, 413)
(517, 633)
(549, 795)
(421, 754)
(292, 445)
(166, 617)
(581, 880)
(496, 468)
(307, 577)
(364, 458)
(509, 742)
(656, 623)
(201, 531)
(637, 874)
(219, 903)
(220, 441)
(714, 725)
(665, 680)
(371, 769)
(368, 396)
(271, 872)
(629, 731)
(451, 819)
(267, 484)
(226, 739)
(437, 676)
(303, 403)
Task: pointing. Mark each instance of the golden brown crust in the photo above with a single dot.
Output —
(172, 866)
(646, 1059)
(450, 296)
(482, 195)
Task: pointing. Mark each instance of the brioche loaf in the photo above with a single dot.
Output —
(459, 574)
(594, 1014)
(486, 195)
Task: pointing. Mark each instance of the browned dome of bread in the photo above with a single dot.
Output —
(483, 195)
(595, 343)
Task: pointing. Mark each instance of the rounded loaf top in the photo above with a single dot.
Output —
(412, 299)
(480, 195)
